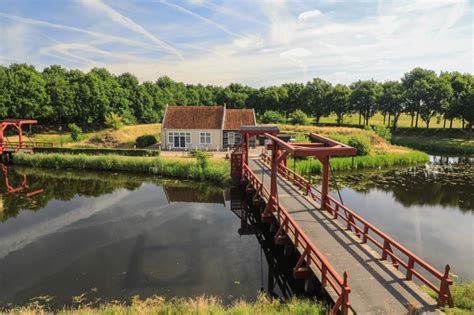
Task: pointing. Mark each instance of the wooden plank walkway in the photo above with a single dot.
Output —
(376, 286)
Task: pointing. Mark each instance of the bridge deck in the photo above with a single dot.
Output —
(376, 286)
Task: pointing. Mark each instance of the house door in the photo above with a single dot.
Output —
(179, 142)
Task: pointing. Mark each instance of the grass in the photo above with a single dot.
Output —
(313, 166)
(403, 122)
(198, 305)
(123, 138)
(463, 297)
(439, 141)
(216, 171)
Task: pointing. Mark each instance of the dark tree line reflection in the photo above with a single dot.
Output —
(448, 185)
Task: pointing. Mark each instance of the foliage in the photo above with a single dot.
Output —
(57, 97)
(382, 131)
(361, 144)
(298, 117)
(272, 117)
(311, 166)
(76, 132)
(145, 141)
(99, 151)
(114, 120)
(463, 297)
(202, 157)
(194, 305)
(436, 143)
(215, 171)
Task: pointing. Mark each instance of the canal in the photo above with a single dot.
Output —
(105, 236)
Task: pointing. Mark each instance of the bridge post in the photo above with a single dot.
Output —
(325, 182)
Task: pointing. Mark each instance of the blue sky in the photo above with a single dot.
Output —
(259, 42)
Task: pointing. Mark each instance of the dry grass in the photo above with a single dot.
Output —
(378, 144)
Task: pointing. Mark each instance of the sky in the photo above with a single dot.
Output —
(257, 42)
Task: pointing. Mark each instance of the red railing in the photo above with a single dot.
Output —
(16, 146)
(310, 254)
(368, 232)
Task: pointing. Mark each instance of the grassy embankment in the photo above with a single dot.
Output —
(463, 297)
(216, 171)
(436, 141)
(107, 138)
(198, 306)
(403, 122)
(382, 153)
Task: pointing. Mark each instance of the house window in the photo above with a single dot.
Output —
(231, 138)
(179, 140)
(205, 138)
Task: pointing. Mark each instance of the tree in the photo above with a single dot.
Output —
(272, 117)
(27, 93)
(60, 97)
(392, 101)
(414, 96)
(316, 98)
(298, 117)
(4, 92)
(294, 97)
(338, 101)
(364, 97)
(459, 83)
(435, 92)
(467, 103)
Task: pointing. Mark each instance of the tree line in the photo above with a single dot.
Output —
(57, 97)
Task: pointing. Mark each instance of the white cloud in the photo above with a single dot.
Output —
(309, 14)
(297, 52)
(200, 17)
(98, 5)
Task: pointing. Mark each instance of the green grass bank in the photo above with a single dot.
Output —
(215, 171)
(312, 166)
(463, 297)
(198, 306)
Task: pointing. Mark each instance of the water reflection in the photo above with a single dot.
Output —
(114, 236)
(429, 208)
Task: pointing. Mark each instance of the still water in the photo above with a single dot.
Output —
(113, 236)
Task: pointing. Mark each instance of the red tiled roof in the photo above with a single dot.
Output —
(193, 117)
(234, 118)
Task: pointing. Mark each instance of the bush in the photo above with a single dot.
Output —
(298, 117)
(76, 132)
(272, 117)
(361, 144)
(383, 131)
(145, 141)
(114, 120)
(201, 157)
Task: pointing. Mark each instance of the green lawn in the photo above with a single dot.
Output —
(404, 121)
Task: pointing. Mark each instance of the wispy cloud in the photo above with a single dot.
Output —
(309, 14)
(200, 17)
(128, 23)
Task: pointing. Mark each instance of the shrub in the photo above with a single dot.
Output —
(145, 141)
(298, 117)
(361, 144)
(201, 157)
(76, 132)
(114, 120)
(383, 131)
(272, 117)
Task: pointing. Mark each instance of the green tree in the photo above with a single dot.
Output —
(4, 92)
(435, 93)
(338, 101)
(391, 101)
(414, 92)
(27, 96)
(298, 117)
(316, 98)
(60, 95)
(272, 117)
(294, 97)
(364, 97)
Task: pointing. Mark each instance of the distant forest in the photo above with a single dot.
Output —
(57, 97)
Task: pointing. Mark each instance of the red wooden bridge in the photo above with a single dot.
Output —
(8, 147)
(363, 269)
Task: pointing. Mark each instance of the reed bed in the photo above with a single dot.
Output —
(199, 305)
(215, 171)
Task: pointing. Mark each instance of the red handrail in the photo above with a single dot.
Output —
(310, 254)
(351, 218)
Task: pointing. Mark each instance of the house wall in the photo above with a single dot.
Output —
(216, 139)
(225, 139)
